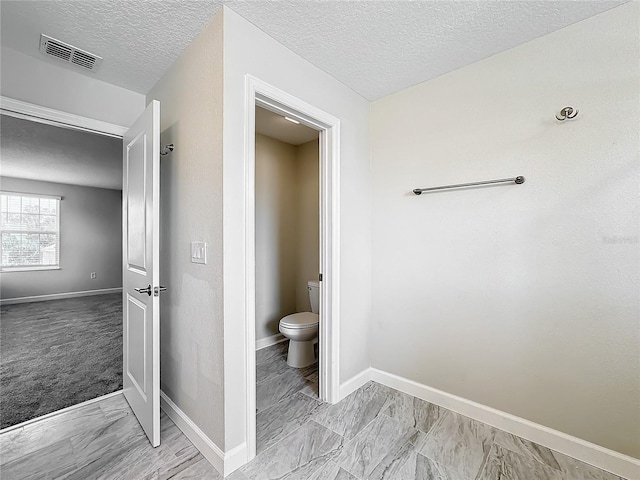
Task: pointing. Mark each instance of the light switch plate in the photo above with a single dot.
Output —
(199, 252)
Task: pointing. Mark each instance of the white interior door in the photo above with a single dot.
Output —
(141, 289)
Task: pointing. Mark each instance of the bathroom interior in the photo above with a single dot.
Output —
(287, 269)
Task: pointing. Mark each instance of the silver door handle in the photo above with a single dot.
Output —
(144, 290)
(157, 290)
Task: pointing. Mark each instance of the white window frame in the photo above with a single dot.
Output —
(32, 268)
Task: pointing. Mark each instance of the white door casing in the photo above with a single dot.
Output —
(258, 92)
(140, 270)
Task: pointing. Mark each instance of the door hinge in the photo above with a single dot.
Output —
(320, 277)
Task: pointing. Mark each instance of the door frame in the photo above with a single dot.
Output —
(58, 118)
(260, 93)
(49, 116)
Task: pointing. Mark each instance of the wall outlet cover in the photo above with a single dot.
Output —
(93, 275)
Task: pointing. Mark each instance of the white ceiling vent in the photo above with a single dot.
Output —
(68, 53)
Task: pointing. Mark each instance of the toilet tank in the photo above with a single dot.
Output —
(314, 295)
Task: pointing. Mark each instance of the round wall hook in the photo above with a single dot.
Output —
(567, 112)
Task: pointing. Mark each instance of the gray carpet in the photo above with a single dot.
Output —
(58, 353)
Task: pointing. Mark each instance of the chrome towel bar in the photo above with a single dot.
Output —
(517, 180)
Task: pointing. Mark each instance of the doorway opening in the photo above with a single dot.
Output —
(287, 229)
(138, 171)
(61, 289)
(282, 104)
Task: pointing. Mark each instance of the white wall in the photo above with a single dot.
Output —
(191, 324)
(523, 298)
(276, 233)
(35, 81)
(287, 229)
(90, 241)
(248, 50)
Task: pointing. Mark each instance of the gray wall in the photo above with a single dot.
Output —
(276, 233)
(90, 241)
(308, 212)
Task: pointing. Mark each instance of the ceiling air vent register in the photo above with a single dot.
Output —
(68, 53)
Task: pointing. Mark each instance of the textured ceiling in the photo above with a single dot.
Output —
(276, 126)
(36, 151)
(138, 39)
(375, 47)
(380, 47)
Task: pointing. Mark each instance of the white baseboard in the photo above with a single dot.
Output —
(354, 383)
(58, 412)
(224, 463)
(202, 442)
(235, 458)
(587, 452)
(268, 341)
(59, 296)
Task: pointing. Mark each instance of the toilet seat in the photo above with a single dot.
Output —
(300, 320)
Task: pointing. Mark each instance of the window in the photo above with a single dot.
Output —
(30, 226)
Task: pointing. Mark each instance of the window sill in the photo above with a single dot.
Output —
(28, 269)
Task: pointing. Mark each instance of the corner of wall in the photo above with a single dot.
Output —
(191, 99)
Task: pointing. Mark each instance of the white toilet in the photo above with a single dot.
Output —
(302, 329)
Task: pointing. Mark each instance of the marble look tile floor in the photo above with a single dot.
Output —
(374, 433)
